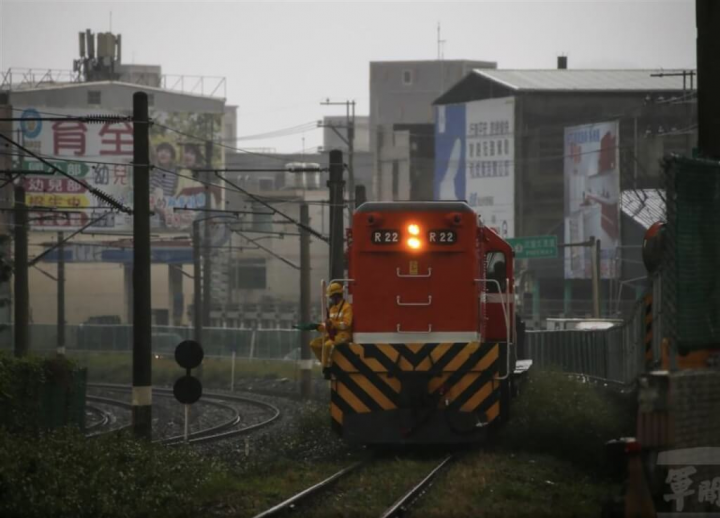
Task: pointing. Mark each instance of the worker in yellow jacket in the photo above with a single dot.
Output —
(337, 328)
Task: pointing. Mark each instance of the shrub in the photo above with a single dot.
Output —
(61, 473)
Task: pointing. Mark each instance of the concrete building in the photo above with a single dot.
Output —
(514, 143)
(99, 260)
(401, 122)
(264, 282)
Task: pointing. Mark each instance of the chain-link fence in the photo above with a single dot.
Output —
(691, 284)
(247, 343)
(615, 354)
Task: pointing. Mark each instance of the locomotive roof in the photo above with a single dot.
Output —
(414, 206)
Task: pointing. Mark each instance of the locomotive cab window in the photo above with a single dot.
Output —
(496, 271)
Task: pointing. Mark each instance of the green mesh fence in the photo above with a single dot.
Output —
(691, 281)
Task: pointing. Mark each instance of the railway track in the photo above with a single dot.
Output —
(103, 417)
(226, 429)
(108, 418)
(396, 510)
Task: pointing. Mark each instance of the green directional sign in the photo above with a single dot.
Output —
(534, 247)
(76, 169)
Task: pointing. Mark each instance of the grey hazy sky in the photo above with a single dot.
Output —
(282, 59)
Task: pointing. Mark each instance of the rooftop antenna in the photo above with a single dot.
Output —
(110, 21)
(440, 44)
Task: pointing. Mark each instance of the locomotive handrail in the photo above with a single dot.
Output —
(399, 303)
(410, 275)
(506, 313)
(411, 332)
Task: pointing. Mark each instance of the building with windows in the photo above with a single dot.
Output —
(402, 123)
(560, 153)
(99, 259)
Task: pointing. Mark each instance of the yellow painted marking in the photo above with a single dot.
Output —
(436, 383)
(493, 411)
(336, 413)
(414, 348)
(477, 398)
(459, 359)
(486, 361)
(343, 363)
(373, 391)
(393, 382)
(393, 355)
(351, 400)
(462, 385)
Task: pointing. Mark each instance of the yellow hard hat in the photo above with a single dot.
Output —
(334, 289)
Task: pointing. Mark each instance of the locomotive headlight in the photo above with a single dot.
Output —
(414, 243)
(414, 230)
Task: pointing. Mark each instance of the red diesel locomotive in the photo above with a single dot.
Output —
(433, 354)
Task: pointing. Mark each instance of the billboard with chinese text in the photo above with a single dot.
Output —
(592, 189)
(100, 154)
(474, 161)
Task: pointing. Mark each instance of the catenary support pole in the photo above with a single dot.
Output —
(305, 352)
(142, 346)
(708, 50)
(595, 251)
(197, 284)
(207, 242)
(22, 292)
(336, 185)
(61, 296)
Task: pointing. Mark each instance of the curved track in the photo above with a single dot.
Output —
(221, 431)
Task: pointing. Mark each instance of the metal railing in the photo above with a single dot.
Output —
(247, 343)
(615, 354)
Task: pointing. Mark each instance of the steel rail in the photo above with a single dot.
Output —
(400, 507)
(104, 417)
(306, 493)
(110, 402)
(202, 436)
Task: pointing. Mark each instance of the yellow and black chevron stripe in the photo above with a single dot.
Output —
(461, 377)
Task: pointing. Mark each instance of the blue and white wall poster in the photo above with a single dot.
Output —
(450, 152)
(474, 159)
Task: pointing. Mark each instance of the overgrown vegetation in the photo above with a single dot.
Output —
(30, 385)
(559, 415)
(63, 474)
(499, 484)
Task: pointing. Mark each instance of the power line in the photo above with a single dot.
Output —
(220, 144)
(93, 190)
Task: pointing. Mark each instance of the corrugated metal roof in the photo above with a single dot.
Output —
(646, 206)
(584, 80)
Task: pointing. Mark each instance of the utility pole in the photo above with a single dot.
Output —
(61, 296)
(336, 185)
(142, 332)
(305, 352)
(349, 141)
(360, 195)
(22, 292)
(708, 49)
(207, 258)
(197, 283)
(595, 251)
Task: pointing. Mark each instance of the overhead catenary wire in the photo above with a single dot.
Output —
(103, 196)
